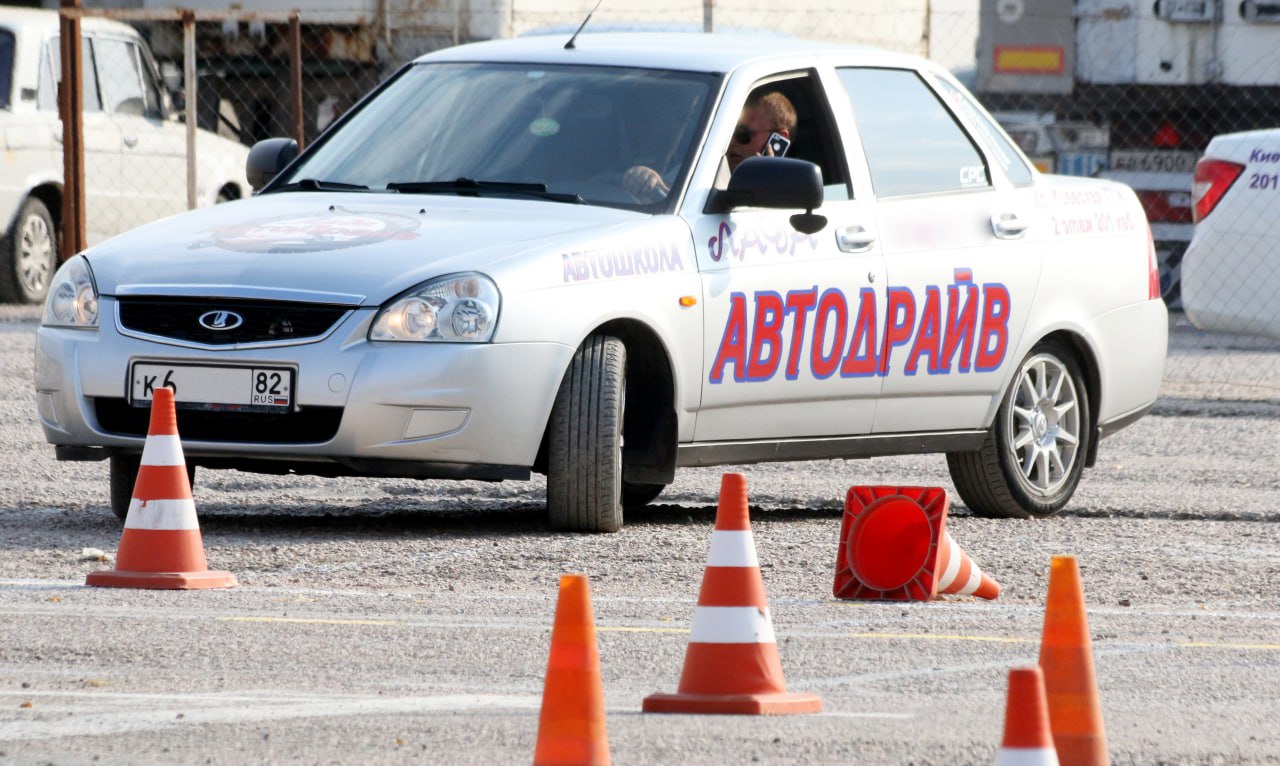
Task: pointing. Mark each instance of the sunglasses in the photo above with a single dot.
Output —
(742, 134)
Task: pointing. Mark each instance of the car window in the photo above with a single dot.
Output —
(6, 67)
(120, 74)
(51, 72)
(814, 136)
(997, 142)
(913, 144)
(576, 129)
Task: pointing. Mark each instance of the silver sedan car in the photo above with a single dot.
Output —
(606, 260)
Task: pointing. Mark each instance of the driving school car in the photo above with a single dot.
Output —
(1231, 273)
(455, 282)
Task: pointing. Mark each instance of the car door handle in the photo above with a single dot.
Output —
(130, 141)
(1008, 225)
(854, 239)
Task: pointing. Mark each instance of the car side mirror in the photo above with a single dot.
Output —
(774, 182)
(267, 158)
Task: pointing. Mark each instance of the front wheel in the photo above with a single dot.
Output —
(1031, 461)
(28, 254)
(584, 458)
(124, 474)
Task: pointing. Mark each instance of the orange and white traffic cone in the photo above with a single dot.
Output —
(571, 725)
(1066, 657)
(894, 546)
(1027, 741)
(732, 664)
(161, 547)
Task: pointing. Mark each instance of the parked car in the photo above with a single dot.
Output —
(135, 149)
(457, 281)
(1231, 275)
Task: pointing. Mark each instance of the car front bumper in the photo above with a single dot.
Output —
(382, 408)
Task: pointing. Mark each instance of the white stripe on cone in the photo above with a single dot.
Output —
(162, 514)
(162, 449)
(955, 557)
(731, 625)
(1027, 756)
(732, 548)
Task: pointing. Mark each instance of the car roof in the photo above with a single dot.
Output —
(701, 52)
(44, 23)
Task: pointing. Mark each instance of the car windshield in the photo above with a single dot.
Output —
(518, 130)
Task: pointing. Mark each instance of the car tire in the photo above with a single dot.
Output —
(1031, 461)
(28, 255)
(123, 475)
(636, 496)
(584, 458)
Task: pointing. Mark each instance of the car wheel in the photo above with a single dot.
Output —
(584, 467)
(636, 496)
(28, 255)
(1033, 455)
(124, 474)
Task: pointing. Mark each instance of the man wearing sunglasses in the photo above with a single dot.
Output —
(763, 115)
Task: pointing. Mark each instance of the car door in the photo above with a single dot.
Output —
(789, 322)
(153, 168)
(961, 274)
(104, 209)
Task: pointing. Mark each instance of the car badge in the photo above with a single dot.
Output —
(220, 320)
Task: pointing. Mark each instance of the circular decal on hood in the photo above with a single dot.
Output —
(337, 230)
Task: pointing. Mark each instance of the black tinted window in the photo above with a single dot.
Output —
(6, 67)
(913, 144)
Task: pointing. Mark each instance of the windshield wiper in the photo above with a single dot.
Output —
(470, 187)
(314, 184)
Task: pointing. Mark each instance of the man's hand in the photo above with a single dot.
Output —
(645, 184)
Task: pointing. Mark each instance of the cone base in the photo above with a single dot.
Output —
(784, 703)
(117, 578)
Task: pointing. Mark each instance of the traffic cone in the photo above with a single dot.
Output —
(894, 546)
(1066, 657)
(731, 664)
(161, 547)
(571, 726)
(1026, 722)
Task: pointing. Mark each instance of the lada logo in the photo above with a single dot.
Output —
(220, 321)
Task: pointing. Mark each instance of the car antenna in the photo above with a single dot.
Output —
(569, 45)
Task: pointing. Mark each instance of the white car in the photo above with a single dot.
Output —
(458, 280)
(135, 151)
(1231, 275)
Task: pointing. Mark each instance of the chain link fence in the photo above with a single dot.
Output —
(1131, 90)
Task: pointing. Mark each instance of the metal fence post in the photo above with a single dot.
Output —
(189, 86)
(71, 106)
(295, 76)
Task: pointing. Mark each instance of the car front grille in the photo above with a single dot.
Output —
(260, 321)
(310, 425)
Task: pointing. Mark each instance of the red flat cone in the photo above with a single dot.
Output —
(894, 546)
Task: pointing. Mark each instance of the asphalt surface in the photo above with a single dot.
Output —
(386, 621)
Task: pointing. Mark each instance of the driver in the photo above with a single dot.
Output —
(763, 114)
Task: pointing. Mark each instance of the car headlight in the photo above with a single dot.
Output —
(73, 297)
(461, 308)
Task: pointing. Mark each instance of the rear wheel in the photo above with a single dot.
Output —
(584, 459)
(124, 474)
(28, 255)
(636, 496)
(1031, 461)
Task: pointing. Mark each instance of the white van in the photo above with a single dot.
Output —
(135, 149)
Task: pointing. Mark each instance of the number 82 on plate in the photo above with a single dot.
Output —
(212, 387)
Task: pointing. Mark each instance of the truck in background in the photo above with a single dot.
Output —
(1131, 90)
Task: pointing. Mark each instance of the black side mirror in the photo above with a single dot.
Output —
(267, 158)
(774, 182)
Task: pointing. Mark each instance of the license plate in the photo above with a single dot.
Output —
(1186, 10)
(245, 389)
(1154, 161)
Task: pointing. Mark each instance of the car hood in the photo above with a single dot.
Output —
(352, 248)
